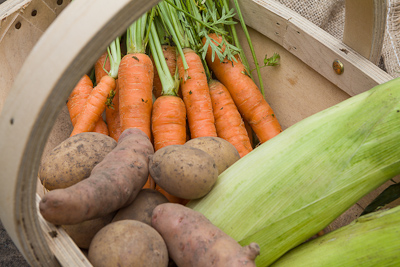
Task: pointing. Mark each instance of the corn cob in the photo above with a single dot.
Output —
(369, 241)
(294, 185)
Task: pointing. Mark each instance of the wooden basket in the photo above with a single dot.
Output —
(37, 86)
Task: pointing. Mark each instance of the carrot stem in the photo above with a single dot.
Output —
(114, 53)
(169, 85)
(235, 38)
(175, 29)
(136, 36)
(244, 27)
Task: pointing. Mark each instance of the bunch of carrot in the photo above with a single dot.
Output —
(180, 78)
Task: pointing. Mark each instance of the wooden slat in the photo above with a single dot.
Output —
(61, 244)
(57, 5)
(66, 51)
(15, 46)
(312, 45)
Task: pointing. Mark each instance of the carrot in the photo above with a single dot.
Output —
(150, 183)
(169, 112)
(112, 111)
(170, 58)
(101, 127)
(98, 98)
(171, 198)
(228, 120)
(169, 121)
(94, 107)
(98, 67)
(246, 95)
(249, 132)
(136, 74)
(112, 115)
(196, 95)
(77, 100)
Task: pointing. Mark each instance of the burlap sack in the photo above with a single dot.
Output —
(329, 15)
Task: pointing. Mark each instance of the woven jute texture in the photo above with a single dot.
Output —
(329, 15)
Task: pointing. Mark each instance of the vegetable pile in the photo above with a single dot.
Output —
(160, 168)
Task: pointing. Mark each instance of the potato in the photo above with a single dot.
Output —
(73, 159)
(183, 171)
(83, 233)
(223, 152)
(128, 243)
(193, 241)
(113, 183)
(142, 207)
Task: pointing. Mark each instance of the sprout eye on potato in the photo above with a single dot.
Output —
(183, 171)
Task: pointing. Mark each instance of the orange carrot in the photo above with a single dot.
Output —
(135, 76)
(150, 183)
(246, 95)
(77, 100)
(249, 132)
(169, 112)
(168, 128)
(168, 121)
(98, 67)
(228, 121)
(94, 106)
(112, 115)
(171, 198)
(196, 96)
(101, 127)
(170, 58)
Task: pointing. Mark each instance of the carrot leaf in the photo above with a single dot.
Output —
(272, 61)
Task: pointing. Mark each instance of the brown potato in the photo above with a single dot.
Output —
(128, 243)
(72, 161)
(142, 207)
(223, 152)
(193, 241)
(183, 171)
(83, 233)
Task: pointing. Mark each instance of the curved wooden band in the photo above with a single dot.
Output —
(63, 54)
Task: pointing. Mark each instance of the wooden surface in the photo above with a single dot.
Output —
(22, 23)
(316, 48)
(63, 53)
(34, 118)
(364, 28)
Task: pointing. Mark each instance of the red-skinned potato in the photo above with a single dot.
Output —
(113, 183)
(193, 241)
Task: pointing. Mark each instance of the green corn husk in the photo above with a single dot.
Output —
(370, 241)
(294, 185)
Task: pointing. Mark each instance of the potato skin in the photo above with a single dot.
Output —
(113, 183)
(183, 171)
(73, 159)
(193, 241)
(223, 152)
(83, 233)
(128, 243)
(141, 209)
